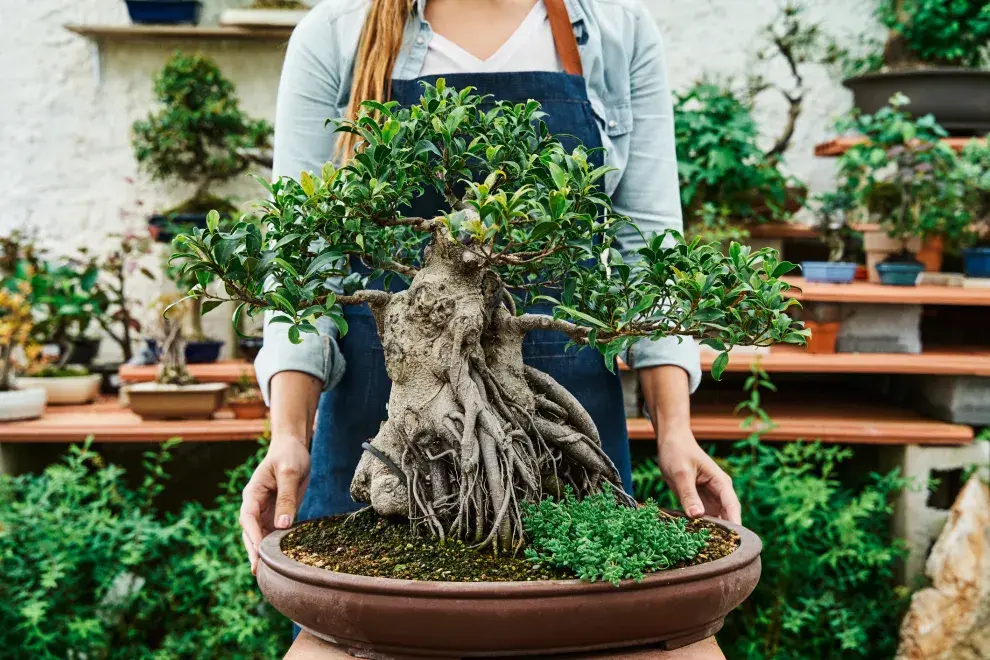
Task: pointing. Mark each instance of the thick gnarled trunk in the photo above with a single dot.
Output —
(471, 431)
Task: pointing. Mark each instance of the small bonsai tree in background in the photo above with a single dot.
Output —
(974, 174)
(472, 432)
(200, 136)
(172, 365)
(728, 180)
(831, 209)
(902, 176)
(16, 325)
(118, 320)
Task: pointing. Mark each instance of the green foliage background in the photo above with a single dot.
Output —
(92, 570)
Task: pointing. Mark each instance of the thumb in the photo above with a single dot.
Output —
(287, 479)
(687, 492)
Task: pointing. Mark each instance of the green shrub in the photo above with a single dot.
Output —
(599, 539)
(92, 570)
(828, 588)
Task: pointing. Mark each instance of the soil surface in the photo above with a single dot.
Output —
(369, 545)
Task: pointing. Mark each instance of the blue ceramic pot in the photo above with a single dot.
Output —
(900, 274)
(837, 272)
(197, 352)
(976, 262)
(165, 12)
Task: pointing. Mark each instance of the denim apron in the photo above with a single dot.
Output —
(352, 412)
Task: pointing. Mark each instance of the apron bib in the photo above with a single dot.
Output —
(352, 412)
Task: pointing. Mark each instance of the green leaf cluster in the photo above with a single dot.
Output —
(199, 135)
(92, 569)
(529, 210)
(725, 177)
(828, 588)
(600, 539)
(940, 32)
(902, 176)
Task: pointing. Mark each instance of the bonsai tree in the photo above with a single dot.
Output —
(472, 432)
(118, 320)
(974, 173)
(727, 178)
(172, 366)
(831, 210)
(16, 324)
(199, 136)
(902, 176)
(924, 34)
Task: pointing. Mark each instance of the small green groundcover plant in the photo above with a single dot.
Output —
(598, 538)
(92, 569)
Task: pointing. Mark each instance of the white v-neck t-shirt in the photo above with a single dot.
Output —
(530, 48)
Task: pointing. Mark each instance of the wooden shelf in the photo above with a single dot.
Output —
(782, 231)
(229, 371)
(790, 359)
(841, 145)
(867, 292)
(846, 423)
(107, 421)
(177, 32)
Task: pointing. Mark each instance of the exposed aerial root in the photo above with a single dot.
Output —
(474, 433)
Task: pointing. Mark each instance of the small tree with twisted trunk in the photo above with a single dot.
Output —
(472, 432)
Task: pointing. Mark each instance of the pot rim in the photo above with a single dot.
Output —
(928, 72)
(50, 379)
(158, 388)
(24, 390)
(271, 554)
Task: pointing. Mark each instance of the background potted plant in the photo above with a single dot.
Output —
(164, 12)
(906, 190)
(823, 321)
(16, 324)
(935, 54)
(526, 216)
(729, 182)
(245, 399)
(175, 394)
(70, 384)
(831, 210)
(199, 137)
(975, 170)
(266, 14)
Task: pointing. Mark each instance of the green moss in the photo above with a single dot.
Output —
(61, 372)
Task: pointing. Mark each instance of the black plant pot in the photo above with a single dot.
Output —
(83, 351)
(248, 347)
(111, 379)
(165, 12)
(959, 98)
(163, 227)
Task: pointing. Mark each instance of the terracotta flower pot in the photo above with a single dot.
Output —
(823, 336)
(154, 401)
(930, 253)
(388, 618)
(67, 390)
(22, 404)
(248, 409)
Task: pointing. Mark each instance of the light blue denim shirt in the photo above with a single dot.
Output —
(622, 55)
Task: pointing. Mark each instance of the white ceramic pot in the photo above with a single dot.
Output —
(66, 390)
(22, 404)
(262, 18)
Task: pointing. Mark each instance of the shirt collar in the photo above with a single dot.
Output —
(573, 9)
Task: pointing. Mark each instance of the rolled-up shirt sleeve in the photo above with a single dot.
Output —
(306, 95)
(648, 192)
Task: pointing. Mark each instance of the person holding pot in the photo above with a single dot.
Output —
(598, 69)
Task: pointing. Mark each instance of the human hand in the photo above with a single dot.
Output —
(273, 494)
(699, 483)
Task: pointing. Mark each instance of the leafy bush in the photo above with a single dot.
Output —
(828, 588)
(725, 176)
(937, 32)
(92, 570)
(902, 176)
(599, 539)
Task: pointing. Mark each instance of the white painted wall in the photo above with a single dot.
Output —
(65, 160)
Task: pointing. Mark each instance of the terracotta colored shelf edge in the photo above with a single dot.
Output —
(840, 145)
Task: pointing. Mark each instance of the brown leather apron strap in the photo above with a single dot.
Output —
(563, 37)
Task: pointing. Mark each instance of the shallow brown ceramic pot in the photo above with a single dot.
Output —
(387, 618)
(154, 401)
(248, 409)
